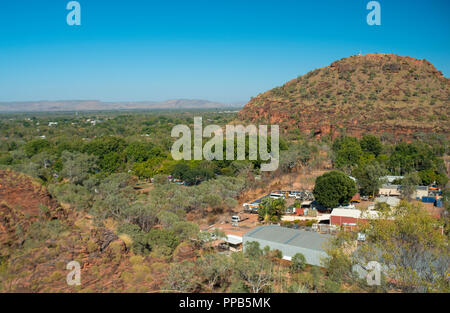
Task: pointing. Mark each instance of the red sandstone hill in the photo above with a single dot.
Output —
(39, 237)
(374, 93)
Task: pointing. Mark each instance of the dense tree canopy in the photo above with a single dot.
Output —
(271, 210)
(371, 144)
(368, 176)
(348, 152)
(334, 188)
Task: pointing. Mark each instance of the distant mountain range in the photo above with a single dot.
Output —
(95, 105)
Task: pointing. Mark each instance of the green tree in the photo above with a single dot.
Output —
(368, 177)
(252, 250)
(430, 176)
(338, 263)
(414, 156)
(192, 174)
(185, 230)
(409, 184)
(371, 144)
(138, 151)
(215, 269)
(163, 238)
(111, 162)
(296, 154)
(35, 146)
(182, 277)
(76, 195)
(298, 262)
(347, 152)
(114, 197)
(272, 209)
(256, 274)
(334, 188)
(77, 166)
(140, 242)
(110, 152)
(141, 214)
(148, 169)
(104, 145)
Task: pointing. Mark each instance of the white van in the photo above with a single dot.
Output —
(235, 219)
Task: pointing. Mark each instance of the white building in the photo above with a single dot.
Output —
(391, 201)
(395, 190)
(390, 179)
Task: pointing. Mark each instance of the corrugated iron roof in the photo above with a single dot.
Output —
(233, 239)
(288, 236)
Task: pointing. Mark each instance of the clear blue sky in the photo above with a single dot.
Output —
(221, 50)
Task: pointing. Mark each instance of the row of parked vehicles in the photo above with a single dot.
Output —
(252, 207)
(298, 195)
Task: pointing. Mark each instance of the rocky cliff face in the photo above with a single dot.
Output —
(38, 237)
(374, 93)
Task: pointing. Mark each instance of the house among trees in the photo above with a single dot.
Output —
(396, 190)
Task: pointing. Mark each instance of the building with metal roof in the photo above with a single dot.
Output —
(290, 241)
(351, 217)
(233, 239)
(390, 190)
(391, 201)
(390, 179)
(396, 190)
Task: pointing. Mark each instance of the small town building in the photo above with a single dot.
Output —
(391, 179)
(234, 242)
(421, 191)
(391, 201)
(350, 217)
(396, 190)
(290, 241)
(356, 198)
(390, 190)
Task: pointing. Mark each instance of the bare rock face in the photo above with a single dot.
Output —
(22, 202)
(184, 252)
(103, 237)
(374, 93)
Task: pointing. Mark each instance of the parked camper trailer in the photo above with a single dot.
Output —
(275, 195)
